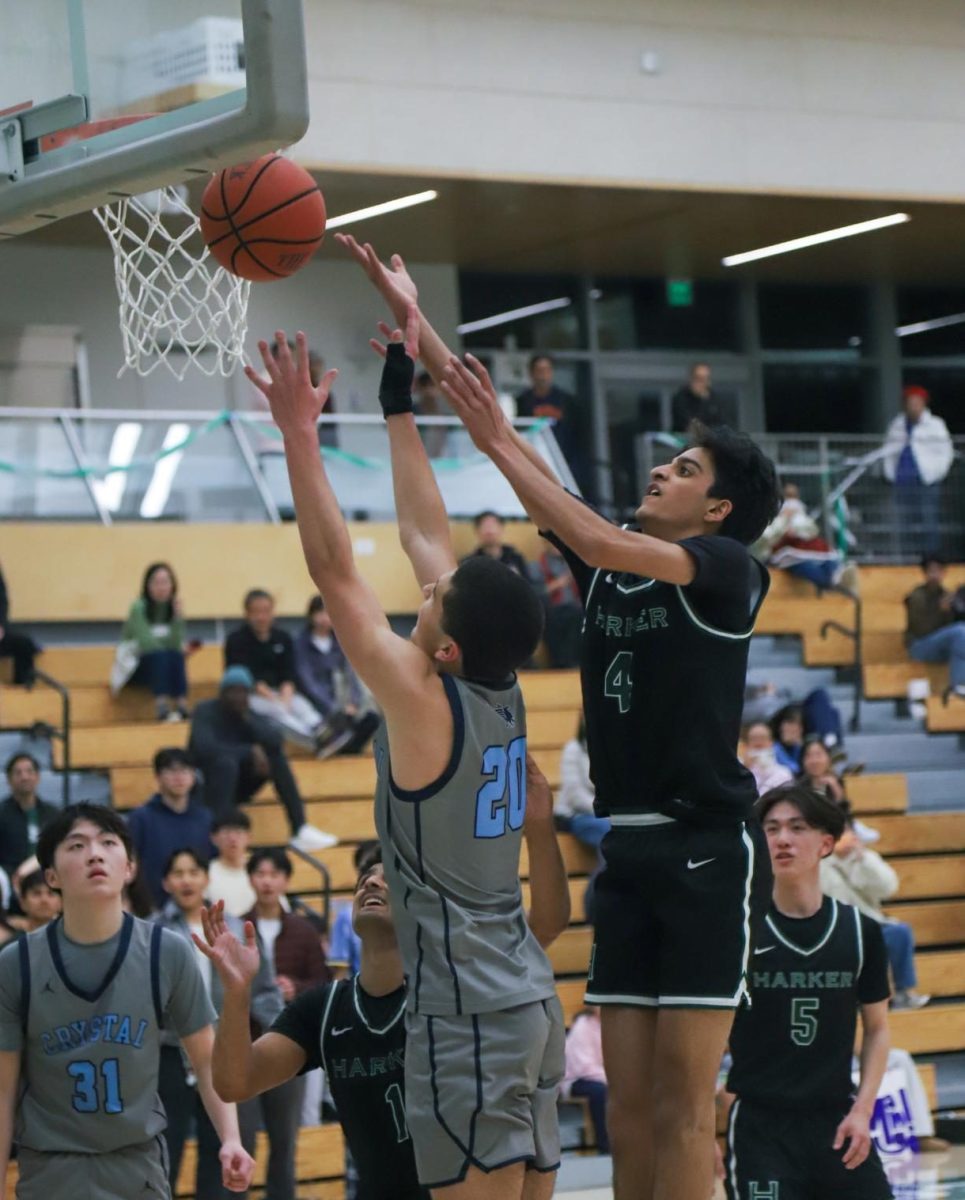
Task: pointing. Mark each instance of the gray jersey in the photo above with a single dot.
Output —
(451, 856)
(90, 1059)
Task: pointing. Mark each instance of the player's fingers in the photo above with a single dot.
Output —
(839, 1136)
(389, 332)
(262, 385)
(282, 352)
(202, 946)
(397, 262)
(480, 371)
(454, 397)
(468, 378)
(377, 347)
(271, 366)
(327, 380)
(251, 937)
(301, 356)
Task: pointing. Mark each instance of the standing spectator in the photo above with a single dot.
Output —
(574, 800)
(857, 875)
(152, 646)
(935, 629)
(760, 759)
(268, 652)
(293, 951)
(39, 902)
(490, 527)
(426, 402)
(584, 1070)
(173, 819)
(228, 873)
(564, 611)
(544, 399)
(18, 646)
(696, 401)
(344, 944)
(23, 814)
(185, 881)
(918, 456)
(325, 676)
(238, 752)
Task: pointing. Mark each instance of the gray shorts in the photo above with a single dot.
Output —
(481, 1090)
(134, 1173)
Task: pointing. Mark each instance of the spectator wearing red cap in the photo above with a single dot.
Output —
(918, 456)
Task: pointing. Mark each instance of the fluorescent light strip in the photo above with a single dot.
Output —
(926, 326)
(159, 489)
(379, 210)
(815, 239)
(110, 489)
(514, 314)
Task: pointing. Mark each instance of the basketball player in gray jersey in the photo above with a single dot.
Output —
(82, 1005)
(484, 1028)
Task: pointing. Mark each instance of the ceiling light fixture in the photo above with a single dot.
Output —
(926, 326)
(380, 210)
(514, 314)
(815, 239)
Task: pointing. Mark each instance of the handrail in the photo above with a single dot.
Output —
(855, 635)
(325, 874)
(64, 732)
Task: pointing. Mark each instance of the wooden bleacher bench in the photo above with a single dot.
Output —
(945, 718)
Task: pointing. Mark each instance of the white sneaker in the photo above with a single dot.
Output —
(308, 838)
(866, 834)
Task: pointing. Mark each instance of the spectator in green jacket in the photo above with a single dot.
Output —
(155, 626)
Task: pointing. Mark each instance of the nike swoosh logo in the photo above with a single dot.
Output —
(765, 949)
(339, 1032)
(692, 866)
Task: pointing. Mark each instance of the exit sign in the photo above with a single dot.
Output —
(680, 293)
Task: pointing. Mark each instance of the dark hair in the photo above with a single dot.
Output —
(816, 810)
(790, 712)
(233, 818)
(813, 739)
(494, 616)
(367, 862)
(540, 356)
(749, 725)
(270, 854)
(316, 604)
(423, 378)
(744, 475)
(928, 559)
(138, 894)
(34, 879)
(18, 757)
(701, 362)
(487, 512)
(159, 612)
(366, 850)
(58, 829)
(171, 756)
(192, 853)
(257, 594)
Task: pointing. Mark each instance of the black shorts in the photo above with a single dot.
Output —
(777, 1154)
(676, 911)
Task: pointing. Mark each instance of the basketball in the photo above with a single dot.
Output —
(263, 220)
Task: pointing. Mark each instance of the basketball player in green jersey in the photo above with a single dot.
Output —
(82, 1005)
(484, 1035)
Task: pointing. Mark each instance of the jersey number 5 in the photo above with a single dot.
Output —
(501, 801)
(804, 1020)
(618, 681)
(85, 1098)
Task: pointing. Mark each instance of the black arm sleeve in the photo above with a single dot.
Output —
(301, 1022)
(873, 982)
(395, 389)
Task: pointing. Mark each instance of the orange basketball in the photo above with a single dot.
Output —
(263, 220)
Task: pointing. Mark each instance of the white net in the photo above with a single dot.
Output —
(177, 306)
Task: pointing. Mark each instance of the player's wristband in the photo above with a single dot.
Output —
(395, 390)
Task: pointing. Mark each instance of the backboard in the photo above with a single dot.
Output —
(154, 92)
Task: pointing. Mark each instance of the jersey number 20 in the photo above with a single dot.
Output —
(501, 801)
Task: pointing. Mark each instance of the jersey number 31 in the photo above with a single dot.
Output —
(501, 801)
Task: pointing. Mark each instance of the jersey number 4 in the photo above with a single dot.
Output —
(85, 1098)
(618, 681)
(501, 801)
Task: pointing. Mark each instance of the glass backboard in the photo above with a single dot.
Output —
(101, 98)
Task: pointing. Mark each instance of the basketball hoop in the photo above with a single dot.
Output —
(177, 307)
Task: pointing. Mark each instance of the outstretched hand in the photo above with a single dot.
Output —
(236, 964)
(473, 398)
(393, 282)
(395, 335)
(295, 402)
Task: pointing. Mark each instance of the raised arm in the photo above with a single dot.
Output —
(423, 521)
(549, 905)
(586, 533)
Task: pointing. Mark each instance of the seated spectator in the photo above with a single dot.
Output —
(185, 881)
(173, 819)
(816, 713)
(136, 897)
(935, 630)
(18, 646)
(584, 1070)
(858, 875)
(564, 609)
(268, 652)
(817, 769)
(22, 814)
(793, 542)
(344, 944)
(292, 949)
(239, 752)
(760, 759)
(228, 873)
(39, 903)
(326, 677)
(490, 527)
(152, 647)
(574, 800)
(787, 726)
